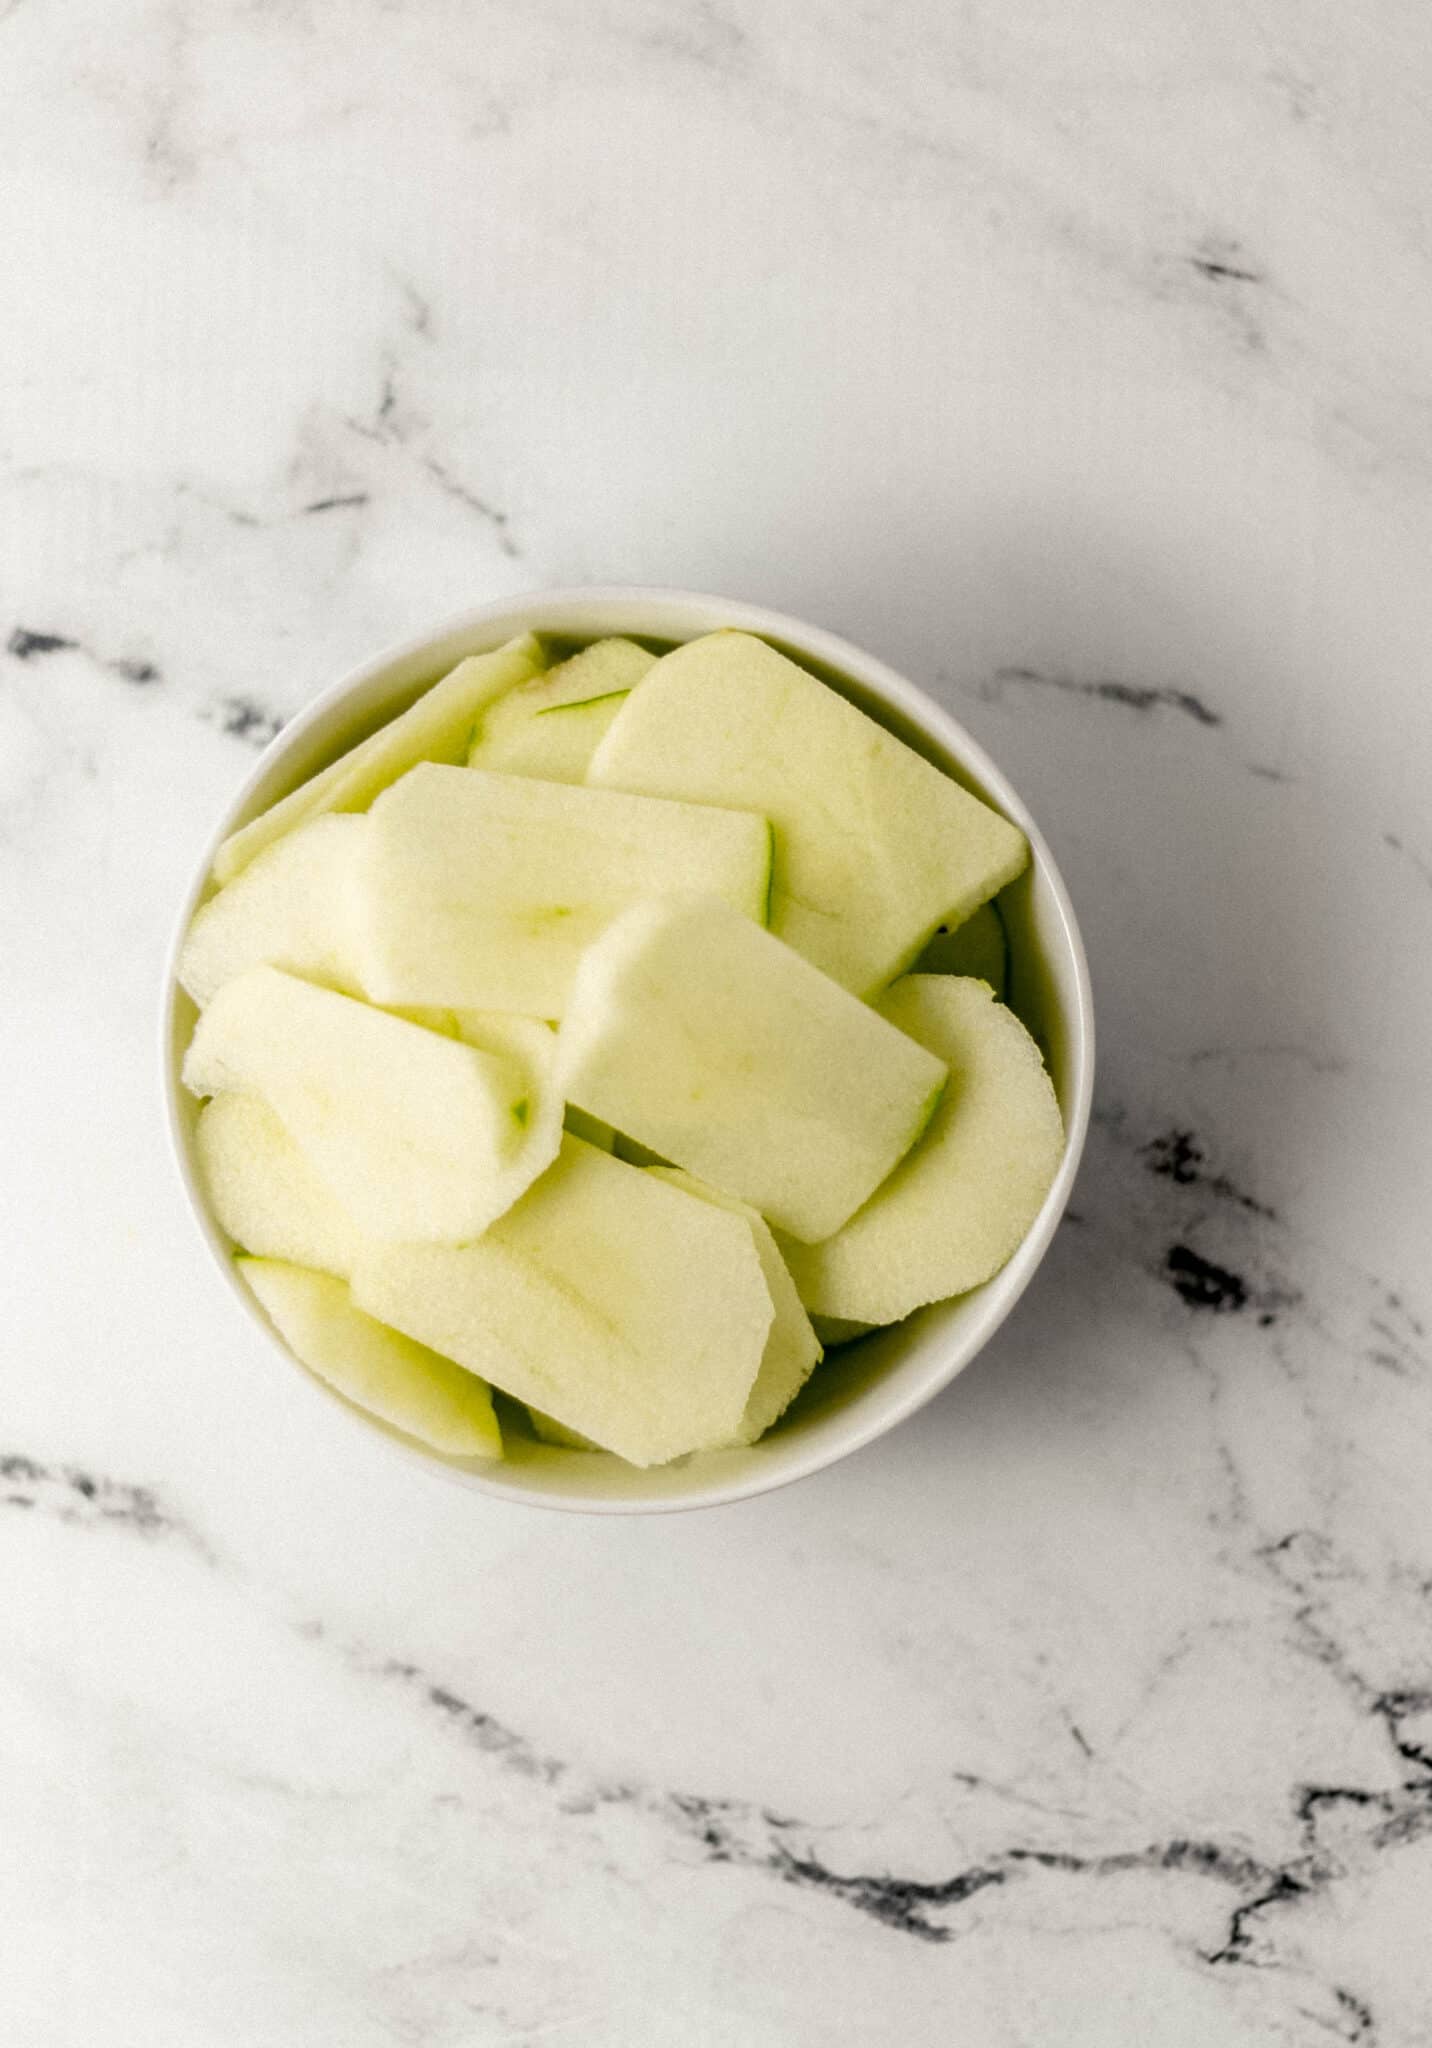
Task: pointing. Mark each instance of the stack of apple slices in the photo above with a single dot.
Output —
(602, 1032)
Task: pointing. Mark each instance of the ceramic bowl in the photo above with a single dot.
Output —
(862, 1389)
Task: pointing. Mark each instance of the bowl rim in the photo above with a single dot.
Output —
(866, 1420)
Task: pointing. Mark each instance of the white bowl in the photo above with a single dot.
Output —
(862, 1389)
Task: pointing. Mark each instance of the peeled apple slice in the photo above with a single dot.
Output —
(529, 1040)
(792, 1349)
(557, 745)
(550, 726)
(264, 1192)
(531, 1044)
(952, 1213)
(438, 727)
(481, 891)
(875, 848)
(376, 1368)
(697, 1033)
(977, 947)
(615, 663)
(622, 1307)
(292, 907)
(419, 1135)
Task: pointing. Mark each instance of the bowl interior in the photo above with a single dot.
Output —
(862, 1388)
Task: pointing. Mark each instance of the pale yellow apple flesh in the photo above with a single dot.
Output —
(955, 1209)
(622, 1307)
(264, 1192)
(699, 1034)
(550, 727)
(875, 848)
(438, 727)
(792, 1349)
(291, 907)
(483, 890)
(419, 1135)
(377, 1368)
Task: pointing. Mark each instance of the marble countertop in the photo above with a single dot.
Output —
(1078, 361)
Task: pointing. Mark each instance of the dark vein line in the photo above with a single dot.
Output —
(1141, 697)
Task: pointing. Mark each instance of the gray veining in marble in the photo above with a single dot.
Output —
(1080, 363)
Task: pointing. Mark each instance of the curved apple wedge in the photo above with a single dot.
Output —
(264, 1192)
(793, 1350)
(550, 727)
(700, 1035)
(620, 1306)
(875, 848)
(292, 907)
(419, 1135)
(437, 728)
(481, 891)
(378, 1369)
(954, 1210)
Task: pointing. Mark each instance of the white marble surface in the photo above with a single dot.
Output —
(1077, 360)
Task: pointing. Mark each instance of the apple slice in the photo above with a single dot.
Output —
(481, 891)
(419, 1135)
(377, 1369)
(264, 1192)
(438, 727)
(614, 1303)
(555, 745)
(532, 1041)
(550, 727)
(875, 848)
(959, 1205)
(977, 948)
(792, 1349)
(699, 1034)
(531, 1044)
(292, 907)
